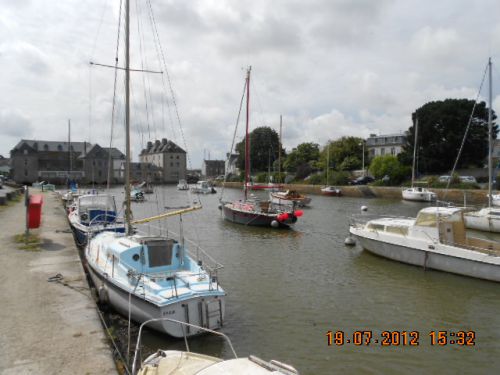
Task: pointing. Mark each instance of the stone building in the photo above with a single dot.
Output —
(55, 162)
(168, 157)
(213, 168)
(387, 144)
(51, 161)
(96, 164)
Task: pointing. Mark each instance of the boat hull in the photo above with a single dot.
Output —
(485, 222)
(430, 259)
(425, 196)
(255, 219)
(303, 202)
(205, 311)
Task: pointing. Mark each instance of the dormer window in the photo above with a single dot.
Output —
(59, 147)
(46, 147)
(35, 146)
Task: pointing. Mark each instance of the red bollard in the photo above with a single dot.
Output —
(35, 211)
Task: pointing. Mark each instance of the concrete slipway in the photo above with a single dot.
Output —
(47, 327)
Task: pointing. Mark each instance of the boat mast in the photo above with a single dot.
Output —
(247, 138)
(69, 149)
(414, 152)
(127, 118)
(279, 152)
(490, 138)
(327, 162)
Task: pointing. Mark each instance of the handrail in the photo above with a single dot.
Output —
(137, 347)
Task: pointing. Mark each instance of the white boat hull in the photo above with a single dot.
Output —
(432, 259)
(419, 196)
(205, 311)
(486, 220)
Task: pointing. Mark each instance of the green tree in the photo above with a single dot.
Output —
(346, 154)
(389, 165)
(264, 146)
(441, 129)
(305, 153)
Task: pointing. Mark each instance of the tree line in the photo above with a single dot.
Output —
(441, 129)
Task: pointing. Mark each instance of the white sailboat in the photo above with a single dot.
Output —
(150, 277)
(414, 193)
(185, 362)
(487, 219)
(435, 239)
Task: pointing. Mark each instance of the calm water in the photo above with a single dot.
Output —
(287, 288)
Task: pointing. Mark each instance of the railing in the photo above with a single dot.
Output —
(183, 325)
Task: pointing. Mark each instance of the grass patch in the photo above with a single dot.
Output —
(32, 243)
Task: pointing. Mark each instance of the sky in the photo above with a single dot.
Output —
(331, 68)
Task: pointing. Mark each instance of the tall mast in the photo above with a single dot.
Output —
(247, 138)
(279, 151)
(490, 137)
(69, 149)
(327, 162)
(414, 152)
(127, 117)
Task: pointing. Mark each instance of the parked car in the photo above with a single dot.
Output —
(444, 178)
(363, 180)
(468, 179)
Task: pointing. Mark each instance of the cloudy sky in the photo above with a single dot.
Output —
(330, 67)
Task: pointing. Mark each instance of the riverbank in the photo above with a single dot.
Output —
(472, 196)
(47, 327)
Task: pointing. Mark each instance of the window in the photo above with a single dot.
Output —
(178, 163)
(35, 146)
(393, 151)
(177, 157)
(171, 156)
(25, 152)
(46, 147)
(25, 161)
(160, 252)
(59, 148)
(382, 151)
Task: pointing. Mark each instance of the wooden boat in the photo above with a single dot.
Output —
(290, 198)
(251, 211)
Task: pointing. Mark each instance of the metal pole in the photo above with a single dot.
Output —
(26, 203)
(414, 152)
(490, 139)
(127, 117)
(279, 152)
(247, 137)
(363, 142)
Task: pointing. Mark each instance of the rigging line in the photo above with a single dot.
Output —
(466, 131)
(98, 28)
(174, 101)
(141, 52)
(129, 69)
(261, 113)
(163, 60)
(234, 138)
(110, 159)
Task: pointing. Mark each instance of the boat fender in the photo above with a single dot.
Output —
(349, 241)
(103, 294)
(275, 224)
(364, 208)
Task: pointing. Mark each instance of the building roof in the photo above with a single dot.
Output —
(58, 146)
(162, 146)
(214, 163)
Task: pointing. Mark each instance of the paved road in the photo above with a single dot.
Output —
(46, 327)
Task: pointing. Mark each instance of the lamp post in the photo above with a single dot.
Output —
(363, 157)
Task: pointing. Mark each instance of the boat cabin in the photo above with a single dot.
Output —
(96, 209)
(151, 254)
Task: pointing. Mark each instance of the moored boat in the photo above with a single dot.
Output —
(419, 194)
(203, 187)
(171, 362)
(91, 214)
(331, 191)
(289, 198)
(435, 239)
(182, 185)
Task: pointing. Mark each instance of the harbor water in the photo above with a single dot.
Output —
(287, 288)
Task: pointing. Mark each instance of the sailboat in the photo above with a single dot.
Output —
(148, 277)
(417, 193)
(328, 190)
(252, 211)
(185, 362)
(487, 219)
